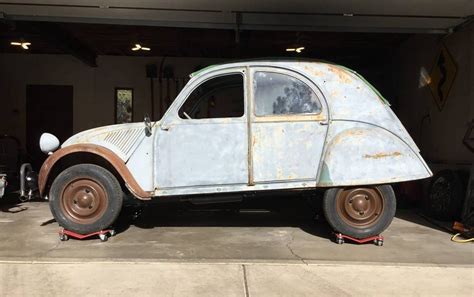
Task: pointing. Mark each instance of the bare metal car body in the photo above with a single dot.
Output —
(355, 139)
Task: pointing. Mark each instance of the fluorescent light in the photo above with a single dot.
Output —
(24, 45)
(139, 47)
(298, 49)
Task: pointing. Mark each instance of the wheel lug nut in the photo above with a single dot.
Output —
(361, 212)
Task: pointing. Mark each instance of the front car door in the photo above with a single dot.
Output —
(202, 142)
(288, 128)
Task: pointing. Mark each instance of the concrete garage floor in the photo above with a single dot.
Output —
(180, 251)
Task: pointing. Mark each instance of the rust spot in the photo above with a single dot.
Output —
(383, 155)
(342, 74)
(313, 71)
(353, 132)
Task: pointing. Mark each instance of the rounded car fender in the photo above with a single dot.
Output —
(100, 151)
(361, 154)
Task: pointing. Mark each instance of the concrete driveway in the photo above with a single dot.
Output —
(175, 250)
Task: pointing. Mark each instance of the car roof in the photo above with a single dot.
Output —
(286, 63)
(259, 61)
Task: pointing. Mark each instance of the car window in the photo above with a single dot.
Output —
(277, 93)
(219, 97)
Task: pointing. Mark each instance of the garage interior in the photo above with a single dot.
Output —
(62, 64)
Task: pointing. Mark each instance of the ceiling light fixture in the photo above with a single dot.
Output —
(24, 45)
(297, 49)
(139, 47)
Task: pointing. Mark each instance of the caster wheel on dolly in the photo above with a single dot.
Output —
(339, 240)
(63, 237)
(378, 242)
(103, 237)
(112, 233)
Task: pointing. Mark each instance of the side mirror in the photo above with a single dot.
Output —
(147, 122)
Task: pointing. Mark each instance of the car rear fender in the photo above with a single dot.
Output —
(360, 153)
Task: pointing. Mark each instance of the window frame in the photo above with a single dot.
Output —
(283, 71)
(241, 71)
(115, 103)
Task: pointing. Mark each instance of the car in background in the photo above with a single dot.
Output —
(244, 127)
(16, 176)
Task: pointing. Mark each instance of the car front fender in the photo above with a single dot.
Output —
(106, 154)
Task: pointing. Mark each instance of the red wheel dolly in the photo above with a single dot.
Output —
(377, 240)
(103, 234)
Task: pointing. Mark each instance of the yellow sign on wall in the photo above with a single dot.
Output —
(442, 76)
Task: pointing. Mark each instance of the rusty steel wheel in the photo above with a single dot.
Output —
(359, 207)
(85, 198)
(360, 211)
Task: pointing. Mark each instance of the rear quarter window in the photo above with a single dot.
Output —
(281, 94)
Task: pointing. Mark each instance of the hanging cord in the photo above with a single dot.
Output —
(455, 238)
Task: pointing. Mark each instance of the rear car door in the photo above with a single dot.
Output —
(288, 127)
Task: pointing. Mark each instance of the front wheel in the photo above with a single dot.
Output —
(85, 198)
(360, 212)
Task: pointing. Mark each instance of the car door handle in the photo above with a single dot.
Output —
(165, 128)
(324, 123)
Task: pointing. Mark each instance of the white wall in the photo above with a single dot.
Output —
(93, 87)
(440, 136)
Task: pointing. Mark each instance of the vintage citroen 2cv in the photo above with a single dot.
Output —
(238, 127)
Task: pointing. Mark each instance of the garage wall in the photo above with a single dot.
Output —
(439, 134)
(93, 87)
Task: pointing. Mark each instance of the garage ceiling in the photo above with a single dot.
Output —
(420, 16)
(86, 41)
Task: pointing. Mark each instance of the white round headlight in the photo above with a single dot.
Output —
(48, 143)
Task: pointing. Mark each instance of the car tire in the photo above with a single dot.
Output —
(445, 196)
(360, 212)
(85, 198)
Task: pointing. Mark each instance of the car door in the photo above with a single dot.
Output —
(202, 141)
(289, 122)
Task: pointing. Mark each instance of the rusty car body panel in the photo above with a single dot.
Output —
(103, 152)
(355, 139)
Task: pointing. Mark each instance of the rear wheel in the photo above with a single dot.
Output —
(360, 212)
(85, 198)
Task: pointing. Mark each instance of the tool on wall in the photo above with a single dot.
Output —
(160, 79)
(151, 73)
(168, 74)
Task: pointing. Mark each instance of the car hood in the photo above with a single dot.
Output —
(122, 139)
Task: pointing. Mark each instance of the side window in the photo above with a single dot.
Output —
(277, 93)
(219, 97)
